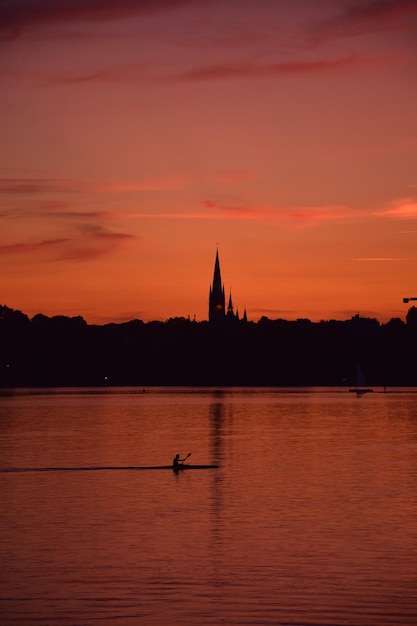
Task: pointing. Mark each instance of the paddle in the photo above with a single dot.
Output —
(185, 458)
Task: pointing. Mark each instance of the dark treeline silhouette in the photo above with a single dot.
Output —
(64, 351)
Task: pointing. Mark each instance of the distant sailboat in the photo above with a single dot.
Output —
(360, 387)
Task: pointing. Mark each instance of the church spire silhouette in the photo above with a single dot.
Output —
(217, 307)
(217, 302)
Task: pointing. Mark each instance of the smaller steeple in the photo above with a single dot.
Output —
(230, 306)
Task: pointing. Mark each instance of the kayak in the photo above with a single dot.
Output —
(169, 467)
(106, 468)
(183, 467)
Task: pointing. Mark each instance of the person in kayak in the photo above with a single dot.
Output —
(177, 462)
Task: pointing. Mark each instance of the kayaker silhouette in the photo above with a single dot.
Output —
(177, 462)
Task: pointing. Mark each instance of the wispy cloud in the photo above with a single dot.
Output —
(378, 12)
(100, 77)
(234, 210)
(295, 215)
(221, 71)
(404, 208)
(23, 186)
(298, 217)
(84, 243)
(53, 210)
(382, 259)
(301, 216)
(41, 185)
(265, 70)
(360, 18)
(20, 15)
(32, 247)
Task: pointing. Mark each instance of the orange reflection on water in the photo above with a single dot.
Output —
(309, 519)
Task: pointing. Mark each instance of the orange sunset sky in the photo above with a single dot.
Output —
(137, 135)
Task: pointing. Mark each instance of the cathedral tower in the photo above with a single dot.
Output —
(217, 303)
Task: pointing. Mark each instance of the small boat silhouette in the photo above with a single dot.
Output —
(360, 387)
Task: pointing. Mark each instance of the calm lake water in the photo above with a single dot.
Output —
(310, 519)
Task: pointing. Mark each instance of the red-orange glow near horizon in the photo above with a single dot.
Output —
(138, 136)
